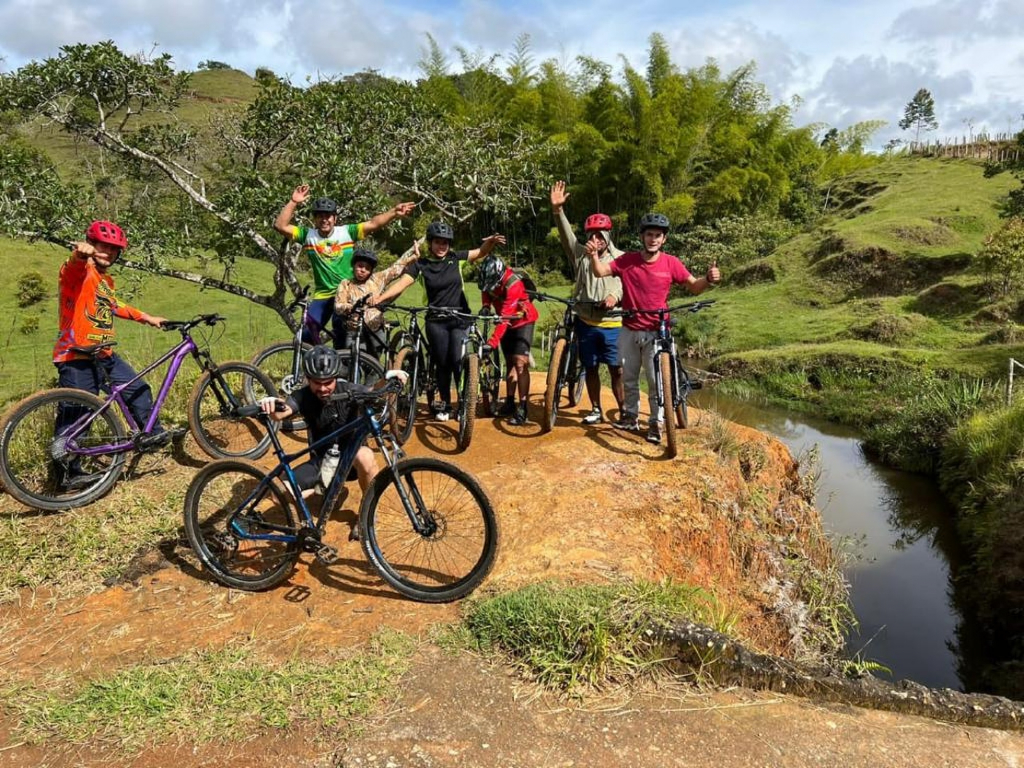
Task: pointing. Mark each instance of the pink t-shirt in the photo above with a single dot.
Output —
(645, 285)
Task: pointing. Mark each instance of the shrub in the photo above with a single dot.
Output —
(29, 324)
(31, 289)
(1002, 258)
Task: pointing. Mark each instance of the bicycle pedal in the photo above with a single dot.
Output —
(327, 554)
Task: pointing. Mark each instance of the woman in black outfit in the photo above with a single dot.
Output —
(441, 270)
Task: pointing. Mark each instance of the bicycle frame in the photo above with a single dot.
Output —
(369, 422)
(176, 355)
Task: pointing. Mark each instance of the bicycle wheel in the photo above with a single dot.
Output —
(490, 383)
(212, 411)
(276, 361)
(403, 414)
(370, 369)
(576, 378)
(44, 471)
(244, 535)
(467, 398)
(553, 389)
(671, 438)
(684, 388)
(457, 547)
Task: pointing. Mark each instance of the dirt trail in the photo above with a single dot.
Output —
(579, 504)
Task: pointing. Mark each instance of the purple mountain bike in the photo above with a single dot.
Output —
(93, 442)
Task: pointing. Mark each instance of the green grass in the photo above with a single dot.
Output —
(229, 695)
(574, 637)
(88, 547)
(930, 212)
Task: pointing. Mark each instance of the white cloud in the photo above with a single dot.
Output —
(960, 21)
(876, 88)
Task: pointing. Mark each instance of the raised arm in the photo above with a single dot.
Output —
(486, 246)
(283, 221)
(393, 291)
(381, 220)
(565, 233)
(597, 267)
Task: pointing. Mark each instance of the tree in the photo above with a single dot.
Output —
(919, 113)
(366, 141)
(1002, 257)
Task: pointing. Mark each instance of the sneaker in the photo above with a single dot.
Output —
(508, 408)
(594, 417)
(74, 480)
(627, 421)
(519, 417)
(654, 432)
(443, 415)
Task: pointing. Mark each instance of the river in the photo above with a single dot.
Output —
(901, 586)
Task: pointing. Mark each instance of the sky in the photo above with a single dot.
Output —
(841, 63)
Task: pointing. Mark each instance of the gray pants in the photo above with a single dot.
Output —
(638, 349)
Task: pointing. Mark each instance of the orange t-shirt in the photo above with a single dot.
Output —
(87, 309)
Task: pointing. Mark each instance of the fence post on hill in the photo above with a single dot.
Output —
(1009, 384)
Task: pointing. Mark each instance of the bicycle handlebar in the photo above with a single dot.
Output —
(302, 297)
(693, 306)
(186, 325)
(568, 302)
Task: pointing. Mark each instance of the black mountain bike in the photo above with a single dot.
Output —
(425, 525)
(282, 361)
(565, 373)
(412, 356)
(673, 383)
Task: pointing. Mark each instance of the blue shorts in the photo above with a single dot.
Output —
(598, 345)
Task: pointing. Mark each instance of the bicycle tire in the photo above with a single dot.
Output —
(467, 399)
(490, 392)
(213, 523)
(553, 388)
(370, 369)
(576, 379)
(31, 456)
(683, 386)
(671, 436)
(276, 361)
(211, 411)
(429, 567)
(403, 414)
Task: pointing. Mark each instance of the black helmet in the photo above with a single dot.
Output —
(325, 205)
(321, 363)
(365, 254)
(654, 221)
(440, 229)
(492, 269)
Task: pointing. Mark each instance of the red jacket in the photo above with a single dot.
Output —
(509, 298)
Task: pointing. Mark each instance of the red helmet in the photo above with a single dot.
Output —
(597, 221)
(106, 232)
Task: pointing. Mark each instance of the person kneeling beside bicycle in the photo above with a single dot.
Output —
(323, 414)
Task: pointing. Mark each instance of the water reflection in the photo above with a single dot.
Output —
(902, 582)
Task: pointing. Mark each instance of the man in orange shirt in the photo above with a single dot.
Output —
(88, 307)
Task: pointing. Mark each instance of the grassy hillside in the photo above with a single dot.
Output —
(212, 93)
(890, 275)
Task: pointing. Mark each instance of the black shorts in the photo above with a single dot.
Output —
(517, 341)
(307, 475)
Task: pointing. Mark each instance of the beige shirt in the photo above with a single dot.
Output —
(349, 292)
